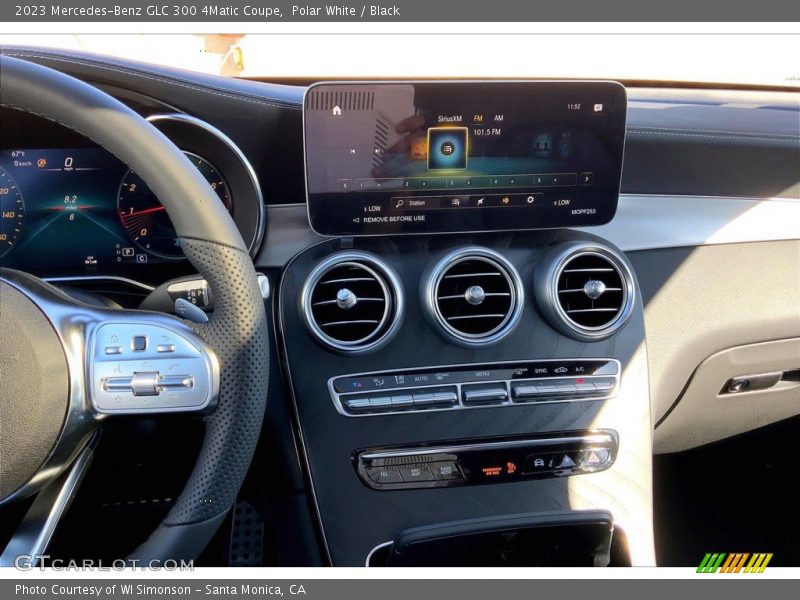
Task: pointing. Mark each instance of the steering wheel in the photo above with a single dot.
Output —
(68, 367)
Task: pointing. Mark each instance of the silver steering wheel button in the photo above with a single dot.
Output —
(145, 383)
(176, 372)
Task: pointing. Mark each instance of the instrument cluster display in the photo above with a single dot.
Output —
(81, 210)
(434, 157)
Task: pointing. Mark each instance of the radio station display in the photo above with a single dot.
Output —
(436, 157)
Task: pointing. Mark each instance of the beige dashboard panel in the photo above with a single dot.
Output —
(705, 413)
(701, 300)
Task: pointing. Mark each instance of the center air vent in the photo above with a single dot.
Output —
(475, 296)
(585, 291)
(352, 302)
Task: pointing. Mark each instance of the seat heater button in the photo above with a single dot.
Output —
(402, 401)
(415, 472)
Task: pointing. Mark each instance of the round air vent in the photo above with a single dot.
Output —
(352, 302)
(584, 290)
(475, 296)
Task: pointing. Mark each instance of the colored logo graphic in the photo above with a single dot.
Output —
(447, 148)
(714, 562)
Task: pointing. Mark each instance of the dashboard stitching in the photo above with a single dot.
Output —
(106, 66)
(641, 128)
(762, 138)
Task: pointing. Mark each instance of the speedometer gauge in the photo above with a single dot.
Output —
(145, 218)
(12, 212)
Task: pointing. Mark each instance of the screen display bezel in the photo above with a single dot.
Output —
(315, 212)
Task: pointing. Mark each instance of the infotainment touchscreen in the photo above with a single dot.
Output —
(435, 157)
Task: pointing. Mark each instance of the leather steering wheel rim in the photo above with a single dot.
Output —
(237, 329)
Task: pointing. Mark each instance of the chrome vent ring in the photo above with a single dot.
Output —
(474, 296)
(585, 290)
(352, 302)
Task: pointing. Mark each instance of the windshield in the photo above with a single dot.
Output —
(719, 59)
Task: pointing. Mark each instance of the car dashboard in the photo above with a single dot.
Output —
(444, 387)
(72, 209)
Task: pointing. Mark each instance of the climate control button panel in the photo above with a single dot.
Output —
(475, 386)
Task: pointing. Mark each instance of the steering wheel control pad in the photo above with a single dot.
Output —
(142, 367)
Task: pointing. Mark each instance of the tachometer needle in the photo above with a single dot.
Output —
(143, 212)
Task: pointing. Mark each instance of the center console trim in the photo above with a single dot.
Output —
(600, 437)
(386, 469)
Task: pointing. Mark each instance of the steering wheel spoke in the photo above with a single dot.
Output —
(34, 533)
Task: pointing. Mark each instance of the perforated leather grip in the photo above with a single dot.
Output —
(240, 339)
(241, 343)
